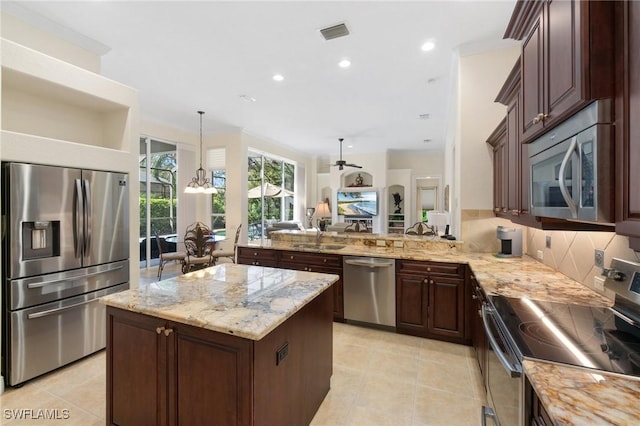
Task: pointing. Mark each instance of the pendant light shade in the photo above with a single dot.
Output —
(200, 184)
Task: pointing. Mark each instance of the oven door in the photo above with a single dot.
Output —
(504, 375)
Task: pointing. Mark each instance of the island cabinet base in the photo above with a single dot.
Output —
(161, 372)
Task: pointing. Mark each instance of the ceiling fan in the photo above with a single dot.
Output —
(341, 163)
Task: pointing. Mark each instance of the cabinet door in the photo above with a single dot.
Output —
(411, 304)
(532, 79)
(627, 123)
(564, 73)
(211, 374)
(136, 393)
(514, 149)
(446, 307)
(257, 256)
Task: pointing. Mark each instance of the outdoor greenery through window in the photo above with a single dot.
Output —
(218, 218)
(271, 191)
(158, 177)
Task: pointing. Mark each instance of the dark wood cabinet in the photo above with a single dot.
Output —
(165, 373)
(300, 261)
(430, 300)
(257, 256)
(478, 335)
(498, 142)
(566, 60)
(534, 412)
(627, 106)
(318, 262)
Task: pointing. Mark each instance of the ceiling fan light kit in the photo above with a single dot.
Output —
(341, 163)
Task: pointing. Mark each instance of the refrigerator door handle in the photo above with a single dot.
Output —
(58, 310)
(77, 219)
(87, 216)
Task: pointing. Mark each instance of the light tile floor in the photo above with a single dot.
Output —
(379, 378)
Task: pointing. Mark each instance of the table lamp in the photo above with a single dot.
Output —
(322, 211)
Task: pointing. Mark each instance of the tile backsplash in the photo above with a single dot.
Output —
(571, 252)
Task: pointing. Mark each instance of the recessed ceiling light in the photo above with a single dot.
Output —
(247, 98)
(428, 45)
(424, 116)
(427, 140)
(349, 146)
(278, 77)
(345, 63)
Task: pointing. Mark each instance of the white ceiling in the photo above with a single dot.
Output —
(204, 55)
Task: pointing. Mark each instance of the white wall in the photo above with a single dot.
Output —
(17, 30)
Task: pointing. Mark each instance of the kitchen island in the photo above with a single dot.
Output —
(231, 344)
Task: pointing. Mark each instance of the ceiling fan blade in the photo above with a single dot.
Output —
(353, 165)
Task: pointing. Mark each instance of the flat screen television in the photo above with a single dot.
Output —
(358, 203)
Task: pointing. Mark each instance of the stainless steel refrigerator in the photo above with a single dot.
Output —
(65, 243)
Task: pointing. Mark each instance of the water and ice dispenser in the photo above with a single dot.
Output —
(40, 239)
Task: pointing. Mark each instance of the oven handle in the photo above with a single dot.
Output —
(624, 318)
(561, 182)
(513, 370)
(488, 412)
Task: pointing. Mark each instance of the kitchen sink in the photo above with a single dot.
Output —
(319, 246)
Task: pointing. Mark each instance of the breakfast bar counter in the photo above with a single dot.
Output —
(231, 344)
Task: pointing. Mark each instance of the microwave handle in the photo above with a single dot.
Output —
(561, 182)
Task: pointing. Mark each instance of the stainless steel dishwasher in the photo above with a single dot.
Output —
(370, 290)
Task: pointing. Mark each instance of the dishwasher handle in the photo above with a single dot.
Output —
(357, 262)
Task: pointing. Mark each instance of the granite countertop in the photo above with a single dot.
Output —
(245, 301)
(579, 396)
(511, 277)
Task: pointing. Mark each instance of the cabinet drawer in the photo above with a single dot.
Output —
(311, 258)
(257, 253)
(439, 268)
(309, 267)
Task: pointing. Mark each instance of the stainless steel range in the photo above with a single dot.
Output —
(599, 338)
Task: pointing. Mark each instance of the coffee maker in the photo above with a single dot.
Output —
(510, 241)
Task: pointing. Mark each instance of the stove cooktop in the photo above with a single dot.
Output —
(571, 334)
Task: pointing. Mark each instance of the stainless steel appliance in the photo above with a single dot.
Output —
(571, 167)
(510, 241)
(606, 339)
(369, 285)
(65, 244)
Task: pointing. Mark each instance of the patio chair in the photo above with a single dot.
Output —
(165, 256)
(199, 245)
(230, 254)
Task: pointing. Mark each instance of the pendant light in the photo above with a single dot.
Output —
(200, 184)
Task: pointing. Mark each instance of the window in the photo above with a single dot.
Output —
(158, 200)
(271, 183)
(218, 202)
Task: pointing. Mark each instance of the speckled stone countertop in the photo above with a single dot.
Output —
(578, 396)
(512, 277)
(245, 301)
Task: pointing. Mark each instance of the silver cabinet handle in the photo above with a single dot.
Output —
(159, 330)
(168, 331)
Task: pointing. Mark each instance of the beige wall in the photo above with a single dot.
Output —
(424, 163)
(481, 77)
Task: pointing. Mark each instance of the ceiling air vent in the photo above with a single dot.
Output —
(335, 31)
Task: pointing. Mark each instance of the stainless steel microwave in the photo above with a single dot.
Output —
(571, 167)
